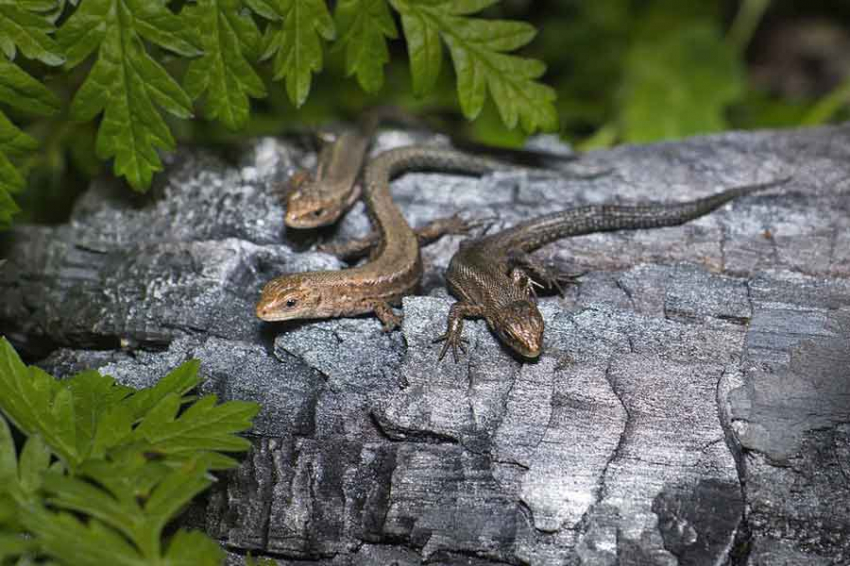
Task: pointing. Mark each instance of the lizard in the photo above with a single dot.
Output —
(494, 277)
(320, 199)
(394, 268)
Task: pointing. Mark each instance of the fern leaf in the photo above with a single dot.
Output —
(22, 28)
(365, 26)
(125, 83)
(125, 484)
(479, 50)
(27, 31)
(294, 39)
(230, 40)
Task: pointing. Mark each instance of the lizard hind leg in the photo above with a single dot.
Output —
(384, 312)
(430, 232)
(454, 225)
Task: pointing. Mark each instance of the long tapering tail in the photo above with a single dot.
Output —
(578, 221)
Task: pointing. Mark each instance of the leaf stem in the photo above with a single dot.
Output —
(745, 23)
(826, 107)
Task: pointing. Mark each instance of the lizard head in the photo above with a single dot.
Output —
(311, 206)
(520, 326)
(287, 298)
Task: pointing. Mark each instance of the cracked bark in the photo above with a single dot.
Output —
(369, 451)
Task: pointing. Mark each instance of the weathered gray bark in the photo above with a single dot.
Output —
(692, 405)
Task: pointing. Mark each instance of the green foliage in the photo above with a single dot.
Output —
(105, 467)
(478, 49)
(24, 28)
(679, 84)
(829, 106)
(126, 84)
(364, 27)
(294, 38)
(230, 41)
(137, 45)
(12, 141)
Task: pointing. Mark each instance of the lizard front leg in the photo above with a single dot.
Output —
(523, 280)
(454, 331)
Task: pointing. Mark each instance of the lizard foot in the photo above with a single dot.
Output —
(554, 279)
(530, 273)
(453, 340)
(351, 249)
(389, 319)
(455, 224)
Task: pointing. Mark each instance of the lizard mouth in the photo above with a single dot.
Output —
(269, 314)
(527, 350)
(528, 345)
(308, 220)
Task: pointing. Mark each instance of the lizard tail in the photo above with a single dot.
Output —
(578, 221)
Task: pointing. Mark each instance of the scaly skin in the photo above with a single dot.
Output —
(494, 277)
(320, 199)
(395, 268)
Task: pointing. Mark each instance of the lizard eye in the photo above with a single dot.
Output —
(291, 302)
(318, 212)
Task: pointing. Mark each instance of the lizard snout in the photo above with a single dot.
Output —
(521, 328)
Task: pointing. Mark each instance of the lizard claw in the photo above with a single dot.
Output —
(453, 340)
(530, 287)
(555, 280)
(562, 278)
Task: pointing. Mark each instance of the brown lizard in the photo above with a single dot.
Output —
(395, 266)
(319, 199)
(494, 277)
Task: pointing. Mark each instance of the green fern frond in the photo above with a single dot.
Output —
(231, 41)
(128, 463)
(126, 84)
(479, 50)
(294, 39)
